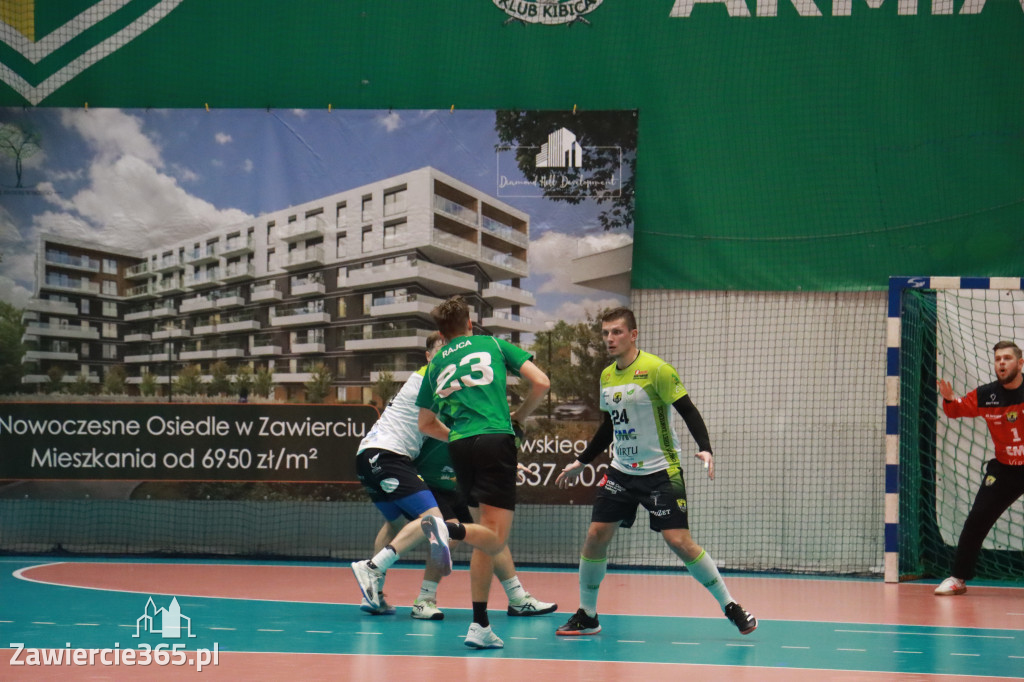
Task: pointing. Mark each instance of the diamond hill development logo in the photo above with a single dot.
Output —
(547, 11)
(122, 21)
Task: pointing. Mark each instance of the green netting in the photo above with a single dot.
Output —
(949, 335)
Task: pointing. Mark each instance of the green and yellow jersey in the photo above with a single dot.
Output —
(638, 399)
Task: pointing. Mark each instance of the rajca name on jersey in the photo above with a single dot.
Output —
(638, 399)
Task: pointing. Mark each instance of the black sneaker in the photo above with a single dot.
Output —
(740, 618)
(580, 624)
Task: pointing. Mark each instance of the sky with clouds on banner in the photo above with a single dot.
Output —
(135, 179)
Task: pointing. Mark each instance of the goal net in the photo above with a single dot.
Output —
(948, 333)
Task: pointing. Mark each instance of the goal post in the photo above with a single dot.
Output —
(943, 328)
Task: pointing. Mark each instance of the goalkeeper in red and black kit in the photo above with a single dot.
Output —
(1001, 403)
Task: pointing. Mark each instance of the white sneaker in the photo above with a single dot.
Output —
(370, 582)
(426, 609)
(950, 587)
(480, 637)
(530, 606)
(384, 608)
(437, 534)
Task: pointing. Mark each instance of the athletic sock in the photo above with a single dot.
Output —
(706, 573)
(456, 531)
(591, 574)
(513, 589)
(428, 591)
(384, 559)
(480, 613)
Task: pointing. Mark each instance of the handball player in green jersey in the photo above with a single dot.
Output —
(463, 401)
(433, 464)
(636, 392)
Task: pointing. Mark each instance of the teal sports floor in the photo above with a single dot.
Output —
(280, 620)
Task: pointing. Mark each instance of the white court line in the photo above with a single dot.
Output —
(267, 630)
(515, 637)
(795, 647)
(42, 622)
(743, 645)
(228, 629)
(851, 650)
(975, 655)
(922, 634)
(418, 634)
(319, 632)
(92, 625)
(688, 643)
(906, 652)
(630, 641)
(369, 633)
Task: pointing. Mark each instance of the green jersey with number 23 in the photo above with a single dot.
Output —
(465, 385)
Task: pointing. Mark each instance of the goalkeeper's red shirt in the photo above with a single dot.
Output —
(1003, 411)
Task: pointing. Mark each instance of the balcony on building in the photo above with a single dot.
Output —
(238, 323)
(138, 271)
(43, 305)
(501, 321)
(147, 290)
(197, 303)
(309, 341)
(62, 329)
(171, 331)
(296, 314)
(505, 227)
(202, 255)
(168, 263)
(169, 285)
(267, 291)
(78, 286)
(410, 304)
(389, 339)
(301, 230)
(138, 336)
(308, 257)
(228, 299)
(439, 278)
(238, 272)
(79, 262)
(36, 355)
(502, 295)
(504, 262)
(164, 309)
(237, 246)
(143, 313)
(230, 351)
(136, 358)
(204, 327)
(264, 345)
(197, 351)
(309, 285)
(202, 280)
(451, 244)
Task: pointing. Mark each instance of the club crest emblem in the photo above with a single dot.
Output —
(547, 11)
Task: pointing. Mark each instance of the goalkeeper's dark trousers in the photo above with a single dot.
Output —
(1002, 486)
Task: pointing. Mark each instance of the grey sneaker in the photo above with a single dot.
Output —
(480, 637)
(530, 606)
(437, 534)
(951, 587)
(370, 582)
(426, 609)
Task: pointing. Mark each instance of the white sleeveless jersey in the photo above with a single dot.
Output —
(397, 430)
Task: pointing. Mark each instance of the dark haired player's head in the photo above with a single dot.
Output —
(452, 317)
(1008, 344)
(624, 314)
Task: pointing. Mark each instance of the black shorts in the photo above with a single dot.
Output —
(485, 467)
(662, 494)
(452, 505)
(388, 476)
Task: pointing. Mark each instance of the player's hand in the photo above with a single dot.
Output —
(517, 429)
(945, 389)
(569, 474)
(709, 462)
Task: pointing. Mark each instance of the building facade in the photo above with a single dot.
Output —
(346, 281)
